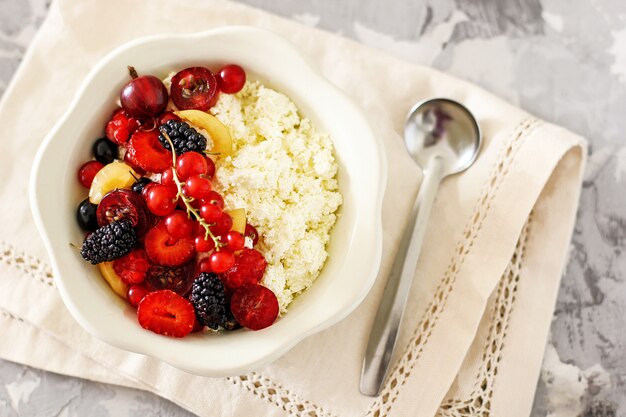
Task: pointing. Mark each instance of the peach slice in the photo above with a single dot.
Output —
(220, 134)
(239, 219)
(114, 175)
(117, 285)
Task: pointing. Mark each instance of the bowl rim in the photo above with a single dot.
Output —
(35, 195)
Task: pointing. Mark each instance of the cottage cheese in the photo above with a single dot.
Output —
(283, 172)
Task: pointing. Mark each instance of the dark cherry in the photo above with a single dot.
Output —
(194, 88)
(86, 216)
(143, 97)
(104, 151)
(178, 278)
(124, 204)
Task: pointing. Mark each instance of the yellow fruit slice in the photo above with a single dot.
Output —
(117, 285)
(220, 134)
(239, 219)
(112, 176)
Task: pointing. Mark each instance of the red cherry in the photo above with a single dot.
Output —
(249, 268)
(143, 97)
(221, 261)
(160, 200)
(234, 241)
(179, 225)
(252, 233)
(223, 225)
(198, 187)
(204, 245)
(194, 88)
(124, 204)
(231, 79)
(191, 164)
(136, 293)
(254, 306)
(87, 171)
(214, 198)
(211, 213)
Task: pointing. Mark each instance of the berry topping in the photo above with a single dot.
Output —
(204, 245)
(167, 313)
(161, 199)
(179, 225)
(254, 306)
(211, 213)
(88, 171)
(209, 299)
(223, 225)
(163, 249)
(124, 204)
(248, 269)
(197, 187)
(132, 268)
(135, 294)
(234, 241)
(221, 261)
(109, 242)
(145, 151)
(104, 151)
(190, 164)
(177, 278)
(214, 198)
(231, 79)
(86, 216)
(184, 138)
(121, 127)
(194, 88)
(143, 97)
(140, 184)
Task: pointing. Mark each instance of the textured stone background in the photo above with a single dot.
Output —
(562, 60)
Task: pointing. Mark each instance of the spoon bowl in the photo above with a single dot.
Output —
(442, 128)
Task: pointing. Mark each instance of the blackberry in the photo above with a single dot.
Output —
(184, 137)
(208, 297)
(109, 242)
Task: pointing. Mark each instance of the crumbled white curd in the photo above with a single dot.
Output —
(283, 172)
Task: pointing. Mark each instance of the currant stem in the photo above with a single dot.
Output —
(187, 200)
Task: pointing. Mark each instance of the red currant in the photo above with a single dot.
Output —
(252, 233)
(197, 187)
(160, 199)
(223, 225)
(214, 198)
(136, 293)
(221, 261)
(204, 265)
(210, 171)
(204, 245)
(234, 241)
(179, 225)
(87, 171)
(168, 115)
(190, 164)
(211, 213)
(231, 79)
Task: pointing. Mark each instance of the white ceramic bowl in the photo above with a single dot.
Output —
(356, 241)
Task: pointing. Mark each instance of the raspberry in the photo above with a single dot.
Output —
(167, 313)
(249, 269)
(132, 268)
(121, 127)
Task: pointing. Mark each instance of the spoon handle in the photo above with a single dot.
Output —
(389, 316)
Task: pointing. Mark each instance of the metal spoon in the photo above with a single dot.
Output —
(443, 138)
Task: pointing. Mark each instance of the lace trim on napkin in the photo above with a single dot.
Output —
(479, 401)
(401, 372)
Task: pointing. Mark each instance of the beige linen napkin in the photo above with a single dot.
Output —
(480, 309)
